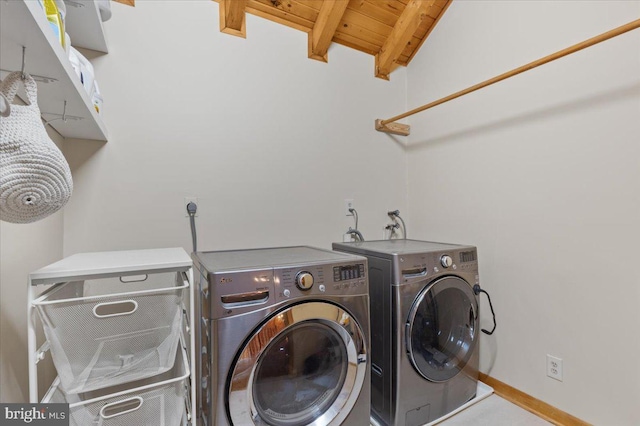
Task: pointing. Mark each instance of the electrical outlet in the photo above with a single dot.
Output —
(188, 200)
(554, 367)
(348, 204)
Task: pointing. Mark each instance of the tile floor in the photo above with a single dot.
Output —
(494, 411)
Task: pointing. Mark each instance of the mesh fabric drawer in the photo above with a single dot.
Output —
(158, 401)
(111, 331)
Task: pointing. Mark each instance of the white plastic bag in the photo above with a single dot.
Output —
(35, 180)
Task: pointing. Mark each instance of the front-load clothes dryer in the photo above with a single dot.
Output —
(284, 337)
(424, 325)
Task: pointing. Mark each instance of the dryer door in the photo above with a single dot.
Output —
(305, 366)
(441, 330)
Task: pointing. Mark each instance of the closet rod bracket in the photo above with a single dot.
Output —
(393, 128)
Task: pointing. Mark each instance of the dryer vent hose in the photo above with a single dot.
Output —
(477, 290)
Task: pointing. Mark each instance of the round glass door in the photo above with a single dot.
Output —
(300, 374)
(441, 329)
(305, 366)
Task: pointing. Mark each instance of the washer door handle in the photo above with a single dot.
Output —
(242, 299)
(414, 273)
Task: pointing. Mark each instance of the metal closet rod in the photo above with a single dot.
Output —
(569, 50)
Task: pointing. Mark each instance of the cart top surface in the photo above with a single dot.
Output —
(112, 263)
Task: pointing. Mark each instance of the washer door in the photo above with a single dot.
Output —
(441, 328)
(305, 366)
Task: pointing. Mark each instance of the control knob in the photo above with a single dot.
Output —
(304, 280)
(446, 261)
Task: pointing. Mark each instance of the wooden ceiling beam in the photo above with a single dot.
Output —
(233, 17)
(325, 27)
(431, 27)
(127, 2)
(414, 13)
(279, 16)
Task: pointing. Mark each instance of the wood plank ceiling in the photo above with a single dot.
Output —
(391, 30)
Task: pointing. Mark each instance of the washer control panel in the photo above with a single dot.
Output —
(321, 280)
(446, 261)
(348, 272)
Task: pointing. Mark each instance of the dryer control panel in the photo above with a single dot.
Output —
(418, 266)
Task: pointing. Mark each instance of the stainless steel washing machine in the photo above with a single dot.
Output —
(284, 337)
(424, 325)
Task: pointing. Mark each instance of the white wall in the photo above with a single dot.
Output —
(23, 249)
(542, 173)
(269, 141)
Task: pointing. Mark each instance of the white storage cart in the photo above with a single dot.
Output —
(118, 331)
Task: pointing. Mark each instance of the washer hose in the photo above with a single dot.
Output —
(356, 233)
(192, 208)
(355, 213)
(396, 213)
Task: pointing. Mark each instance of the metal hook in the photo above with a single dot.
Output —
(23, 74)
(62, 117)
(64, 112)
(38, 78)
(24, 59)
